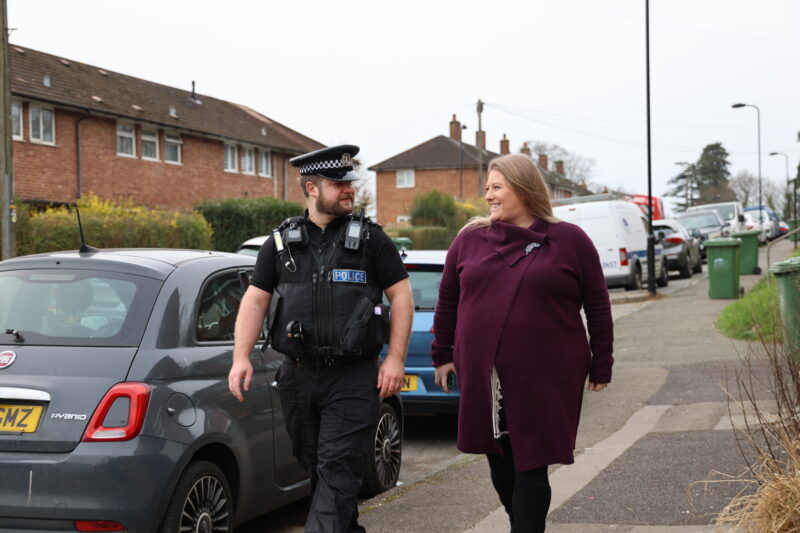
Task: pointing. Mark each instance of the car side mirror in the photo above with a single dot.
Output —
(741, 218)
(696, 233)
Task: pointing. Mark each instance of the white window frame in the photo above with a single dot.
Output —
(265, 155)
(248, 156)
(20, 122)
(127, 135)
(38, 129)
(229, 158)
(150, 136)
(405, 178)
(402, 219)
(175, 139)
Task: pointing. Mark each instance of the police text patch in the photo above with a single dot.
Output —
(349, 276)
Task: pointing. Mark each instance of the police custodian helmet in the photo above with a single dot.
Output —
(334, 163)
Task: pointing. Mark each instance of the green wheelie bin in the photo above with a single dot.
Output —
(787, 274)
(402, 243)
(723, 267)
(748, 252)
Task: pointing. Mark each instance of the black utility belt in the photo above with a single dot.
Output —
(329, 361)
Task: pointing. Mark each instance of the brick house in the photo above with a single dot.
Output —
(80, 129)
(449, 165)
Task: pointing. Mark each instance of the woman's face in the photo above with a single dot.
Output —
(504, 204)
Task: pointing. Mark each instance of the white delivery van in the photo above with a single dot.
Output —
(618, 230)
(732, 213)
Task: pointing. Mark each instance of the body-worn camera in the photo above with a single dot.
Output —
(355, 229)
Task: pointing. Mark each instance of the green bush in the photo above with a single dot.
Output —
(433, 209)
(428, 238)
(236, 220)
(107, 224)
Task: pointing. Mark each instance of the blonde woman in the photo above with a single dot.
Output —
(508, 323)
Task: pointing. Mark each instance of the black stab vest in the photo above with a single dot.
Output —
(329, 290)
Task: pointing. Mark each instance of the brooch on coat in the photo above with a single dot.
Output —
(532, 246)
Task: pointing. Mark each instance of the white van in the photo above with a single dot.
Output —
(732, 213)
(618, 230)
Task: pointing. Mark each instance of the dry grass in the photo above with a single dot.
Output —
(770, 499)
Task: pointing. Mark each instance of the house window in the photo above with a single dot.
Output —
(265, 163)
(126, 138)
(16, 121)
(172, 148)
(150, 145)
(403, 219)
(230, 157)
(405, 178)
(43, 127)
(248, 160)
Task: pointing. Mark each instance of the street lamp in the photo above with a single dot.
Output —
(793, 211)
(758, 118)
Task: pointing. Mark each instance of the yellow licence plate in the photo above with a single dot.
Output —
(20, 418)
(410, 384)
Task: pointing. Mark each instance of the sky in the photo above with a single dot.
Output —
(388, 75)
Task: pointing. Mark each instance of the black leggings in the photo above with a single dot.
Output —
(525, 495)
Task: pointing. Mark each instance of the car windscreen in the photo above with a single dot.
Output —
(727, 212)
(249, 250)
(424, 281)
(705, 220)
(75, 307)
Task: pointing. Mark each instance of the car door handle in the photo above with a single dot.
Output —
(274, 385)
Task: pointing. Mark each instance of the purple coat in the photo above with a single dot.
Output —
(510, 297)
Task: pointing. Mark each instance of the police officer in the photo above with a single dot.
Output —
(322, 277)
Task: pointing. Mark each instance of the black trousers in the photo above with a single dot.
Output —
(525, 495)
(331, 415)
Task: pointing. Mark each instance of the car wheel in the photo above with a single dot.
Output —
(636, 281)
(201, 501)
(663, 279)
(685, 269)
(384, 468)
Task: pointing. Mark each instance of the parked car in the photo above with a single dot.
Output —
(681, 249)
(252, 246)
(115, 412)
(767, 218)
(731, 213)
(618, 230)
(783, 228)
(704, 225)
(750, 223)
(420, 393)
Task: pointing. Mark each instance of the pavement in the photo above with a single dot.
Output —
(655, 451)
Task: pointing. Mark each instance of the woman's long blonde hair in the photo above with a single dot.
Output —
(527, 182)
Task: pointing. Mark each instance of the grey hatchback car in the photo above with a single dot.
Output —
(115, 413)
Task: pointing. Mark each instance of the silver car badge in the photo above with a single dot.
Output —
(7, 358)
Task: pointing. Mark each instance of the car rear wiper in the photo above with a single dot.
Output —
(17, 335)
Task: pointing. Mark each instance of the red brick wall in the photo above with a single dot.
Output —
(392, 201)
(48, 173)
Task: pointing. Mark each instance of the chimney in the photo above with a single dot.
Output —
(480, 139)
(504, 146)
(560, 168)
(455, 129)
(525, 149)
(543, 161)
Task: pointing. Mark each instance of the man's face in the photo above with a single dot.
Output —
(335, 197)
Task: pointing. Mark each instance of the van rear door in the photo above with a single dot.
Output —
(596, 220)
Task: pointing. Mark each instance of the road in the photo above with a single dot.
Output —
(644, 447)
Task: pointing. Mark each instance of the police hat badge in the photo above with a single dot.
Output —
(334, 163)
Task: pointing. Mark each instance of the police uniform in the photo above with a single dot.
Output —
(327, 318)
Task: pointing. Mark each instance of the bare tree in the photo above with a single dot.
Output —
(774, 194)
(577, 168)
(745, 187)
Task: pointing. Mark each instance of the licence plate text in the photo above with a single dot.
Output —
(20, 418)
(409, 384)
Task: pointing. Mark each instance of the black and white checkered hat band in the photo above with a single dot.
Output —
(331, 164)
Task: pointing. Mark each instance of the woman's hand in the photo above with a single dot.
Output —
(597, 387)
(441, 373)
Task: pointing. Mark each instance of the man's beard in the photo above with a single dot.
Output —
(334, 208)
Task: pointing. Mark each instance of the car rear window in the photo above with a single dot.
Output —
(425, 281)
(76, 307)
(699, 221)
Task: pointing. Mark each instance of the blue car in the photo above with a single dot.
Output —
(420, 394)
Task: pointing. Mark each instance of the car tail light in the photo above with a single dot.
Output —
(137, 396)
(750, 226)
(674, 240)
(623, 256)
(98, 525)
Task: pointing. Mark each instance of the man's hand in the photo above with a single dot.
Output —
(240, 371)
(441, 372)
(391, 376)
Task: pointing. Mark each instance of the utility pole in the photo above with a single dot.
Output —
(651, 239)
(6, 226)
(481, 178)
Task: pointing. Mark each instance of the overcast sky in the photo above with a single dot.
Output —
(389, 75)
